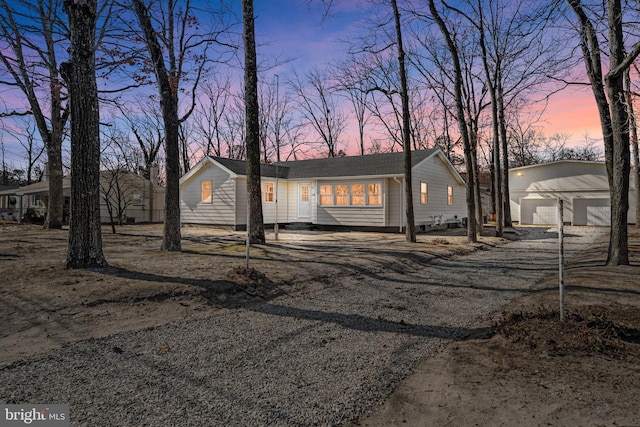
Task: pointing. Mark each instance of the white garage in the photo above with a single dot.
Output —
(583, 186)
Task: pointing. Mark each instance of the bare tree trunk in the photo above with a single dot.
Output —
(506, 205)
(496, 173)
(613, 117)
(38, 19)
(633, 135)
(614, 82)
(171, 236)
(497, 179)
(410, 231)
(254, 194)
(472, 235)
(56, 190)
(85, 238)
(476, 189)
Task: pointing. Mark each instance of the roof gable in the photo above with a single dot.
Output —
(437, 153)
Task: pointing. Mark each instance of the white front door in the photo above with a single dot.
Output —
(304, 200)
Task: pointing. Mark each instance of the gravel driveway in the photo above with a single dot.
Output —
(323, 356)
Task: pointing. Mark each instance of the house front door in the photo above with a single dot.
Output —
(304, 200)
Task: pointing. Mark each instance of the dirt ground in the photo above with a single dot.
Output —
(533, 370)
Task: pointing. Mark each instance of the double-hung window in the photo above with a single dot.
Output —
(206, 192)
(268, 192)
(342, 194)
(450, 195)
(374, 194)
(424, 193)
(357, 194)
(326, 194)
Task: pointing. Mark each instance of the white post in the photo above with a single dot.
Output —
(248, 239)
(275, 226)
(561, 255)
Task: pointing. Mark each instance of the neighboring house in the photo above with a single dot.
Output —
(138, 198)
(360, 191)
(8, 202)
(584, 187)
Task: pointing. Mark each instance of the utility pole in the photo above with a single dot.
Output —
(561, 256)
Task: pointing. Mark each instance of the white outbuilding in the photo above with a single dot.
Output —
(534, 191)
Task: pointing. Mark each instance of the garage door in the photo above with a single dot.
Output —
(538, 211)
(595, 212)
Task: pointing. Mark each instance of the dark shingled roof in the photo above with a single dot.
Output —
(239, 167)
(368, 165)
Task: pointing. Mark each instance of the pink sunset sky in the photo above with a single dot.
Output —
(295, 26)
(298, 31)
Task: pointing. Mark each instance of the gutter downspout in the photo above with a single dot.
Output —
(401, 202)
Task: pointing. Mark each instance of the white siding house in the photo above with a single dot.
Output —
(583, 186)
(360, 191)
(137, 199)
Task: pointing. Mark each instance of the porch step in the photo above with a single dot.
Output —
(300, 226)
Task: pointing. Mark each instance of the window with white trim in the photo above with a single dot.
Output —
(268, 192)
(326, 194)
(450, 195)
(424, 193)
(342, 194)
(356, 194)
(206, 192)
(374, 194)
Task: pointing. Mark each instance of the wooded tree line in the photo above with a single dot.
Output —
(471, 77)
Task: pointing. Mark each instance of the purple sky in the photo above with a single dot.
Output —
(292, 29)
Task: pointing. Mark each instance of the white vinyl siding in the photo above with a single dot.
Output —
(269, 208)
(349, 214)
(438, 178)
(289, 198)
(221, 211)
(240, 201)
(395, 202)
